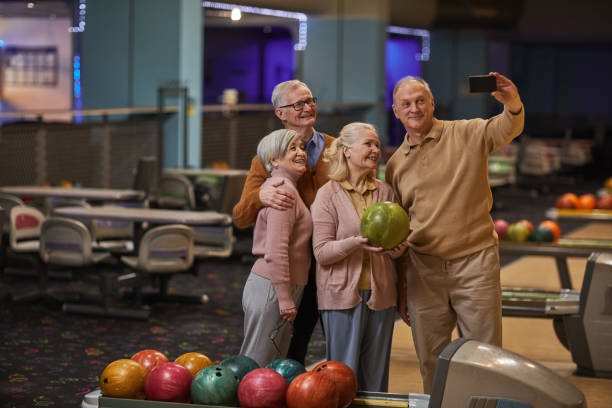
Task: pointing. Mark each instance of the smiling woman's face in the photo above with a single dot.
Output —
(364, 153)
(295, 158)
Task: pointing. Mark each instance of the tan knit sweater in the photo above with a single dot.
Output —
(443, 183)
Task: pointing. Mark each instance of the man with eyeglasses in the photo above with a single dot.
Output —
(439, 175)
(295, 106)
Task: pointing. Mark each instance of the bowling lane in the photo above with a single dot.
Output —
(532, 338)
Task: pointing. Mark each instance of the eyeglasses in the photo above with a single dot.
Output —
(298, 106)
(274, 333)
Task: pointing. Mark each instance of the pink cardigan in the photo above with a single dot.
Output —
(281, 241)
(336, 226)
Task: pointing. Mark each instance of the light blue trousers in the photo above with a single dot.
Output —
(361, 338)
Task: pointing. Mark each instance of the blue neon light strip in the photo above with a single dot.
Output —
(76, 86)
(301, 17)
(416, 32)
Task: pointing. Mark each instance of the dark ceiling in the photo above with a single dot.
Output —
(527, 20)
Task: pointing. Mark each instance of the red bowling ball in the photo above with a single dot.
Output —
(604, 202)
(149, 359)
(312, 389)
(262, 388)
(170, 382)
(501, 226)
(342, 375)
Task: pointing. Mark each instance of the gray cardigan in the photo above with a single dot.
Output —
(336, 227)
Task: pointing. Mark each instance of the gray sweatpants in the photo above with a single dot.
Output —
(266, 334)
(361, 338)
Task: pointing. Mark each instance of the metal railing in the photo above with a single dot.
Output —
(104, 148)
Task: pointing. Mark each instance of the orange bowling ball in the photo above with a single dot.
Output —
(150, 359)
(608, 184)
(123, 378)
(586, 202)
(193, 362)
(342, 375)
(312, 389)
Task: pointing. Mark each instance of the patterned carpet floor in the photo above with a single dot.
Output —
(49, 358)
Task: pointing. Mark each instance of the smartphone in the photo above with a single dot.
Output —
(482, 83)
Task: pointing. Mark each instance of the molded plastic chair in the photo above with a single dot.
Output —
(24, 244)
(8, 201)
(112, 235)
(164, 251)
(146, 176)
(108, 235)
(175, 192)
(25, 228)
(215, 241)
(67, 242)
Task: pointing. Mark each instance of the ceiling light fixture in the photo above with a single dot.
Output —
(236, 14)
(301, 17)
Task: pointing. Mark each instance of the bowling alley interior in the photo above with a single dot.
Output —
(129, 159)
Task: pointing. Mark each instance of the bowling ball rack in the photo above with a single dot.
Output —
(363, 399)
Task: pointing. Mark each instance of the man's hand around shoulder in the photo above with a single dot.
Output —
(279, 199)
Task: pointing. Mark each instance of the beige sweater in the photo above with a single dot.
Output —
(336, 227)
(443, 183)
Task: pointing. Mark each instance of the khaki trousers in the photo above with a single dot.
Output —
(442, 293)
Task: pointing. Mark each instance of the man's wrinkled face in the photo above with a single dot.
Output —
(413, 105)
(297, 119)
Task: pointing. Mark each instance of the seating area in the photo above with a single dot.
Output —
(118, 253)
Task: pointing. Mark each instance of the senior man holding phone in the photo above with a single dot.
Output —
(440, 176)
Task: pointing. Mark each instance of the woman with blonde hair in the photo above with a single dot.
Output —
(356, 283)
(281, 242)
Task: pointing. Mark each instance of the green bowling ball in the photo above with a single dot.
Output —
(215, 385)
(288, 368)
(518, 232)
(240, 365)
(385, 224)
(542, 233)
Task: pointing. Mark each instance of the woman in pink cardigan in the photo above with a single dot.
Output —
(281, 242)
(356, 283)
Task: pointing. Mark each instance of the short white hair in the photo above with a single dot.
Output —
(274, 146)
(281, 89)
(411, 78)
